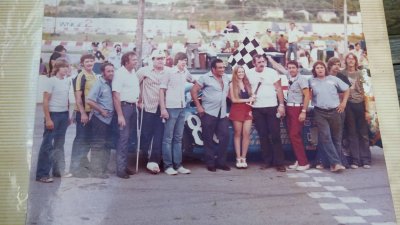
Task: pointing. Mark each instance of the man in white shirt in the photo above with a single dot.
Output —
(125, 87)
(267, 86)
(357, 51)
(294, 37)
(115, 57)
(193, 42)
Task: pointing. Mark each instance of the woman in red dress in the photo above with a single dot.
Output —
(240, 94)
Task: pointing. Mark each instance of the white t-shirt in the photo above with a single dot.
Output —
(126, 84)
(294, 35)
(321, 45)
(59, 93)
(304, 62)
(266, 95)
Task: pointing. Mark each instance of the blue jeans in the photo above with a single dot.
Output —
(172, 140)
(152, 134)
(51, 153)
(81, 146)
(292, 48)
(329, 134)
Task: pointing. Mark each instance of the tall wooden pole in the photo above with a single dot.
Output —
(139, 31)
(346, 49)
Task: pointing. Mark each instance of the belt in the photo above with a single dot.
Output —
(294, 104)
(128, 103)
(324, 110)
(59, 112)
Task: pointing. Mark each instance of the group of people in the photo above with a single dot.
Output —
(153, 95)
(318, 49)
(256, 94)
(151, 100)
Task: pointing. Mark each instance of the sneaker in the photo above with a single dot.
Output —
(45, 180)
(244, 163)
(319, 166)
(294, 166)
(337, 168)
(153, 167)
(366, 166)
(239, 163)
(354, 166)
(66, 175)
(183, 170)
(171, 171)
(302, 168)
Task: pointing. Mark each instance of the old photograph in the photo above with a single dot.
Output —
(206, 112)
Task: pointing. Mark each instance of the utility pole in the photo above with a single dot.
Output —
(55, 20)
(242, 11)
(346, 48)
(139, 31)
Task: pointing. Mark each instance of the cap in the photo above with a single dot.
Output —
(60, 48)
(158, 53)
(269, 30)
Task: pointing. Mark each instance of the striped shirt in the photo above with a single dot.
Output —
(150, 81)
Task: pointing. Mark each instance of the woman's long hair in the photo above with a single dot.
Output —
(53, 58)
(235, 82)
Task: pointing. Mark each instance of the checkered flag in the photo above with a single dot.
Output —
(244, 54)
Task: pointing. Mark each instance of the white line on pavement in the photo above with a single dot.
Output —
(297, 175)
(384, 223)
(350, 219)
(324, 179)
(312, 171)
(321, 195)
(308, 184)
(351, 200)
(368, 212)
(333, 206)
(335, 188)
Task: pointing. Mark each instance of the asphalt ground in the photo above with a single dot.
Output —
(251, 196)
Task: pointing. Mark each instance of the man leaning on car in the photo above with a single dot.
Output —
(212, 111)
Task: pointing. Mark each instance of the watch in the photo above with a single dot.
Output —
(303, 110)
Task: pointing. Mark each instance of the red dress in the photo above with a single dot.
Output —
(241, 111)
